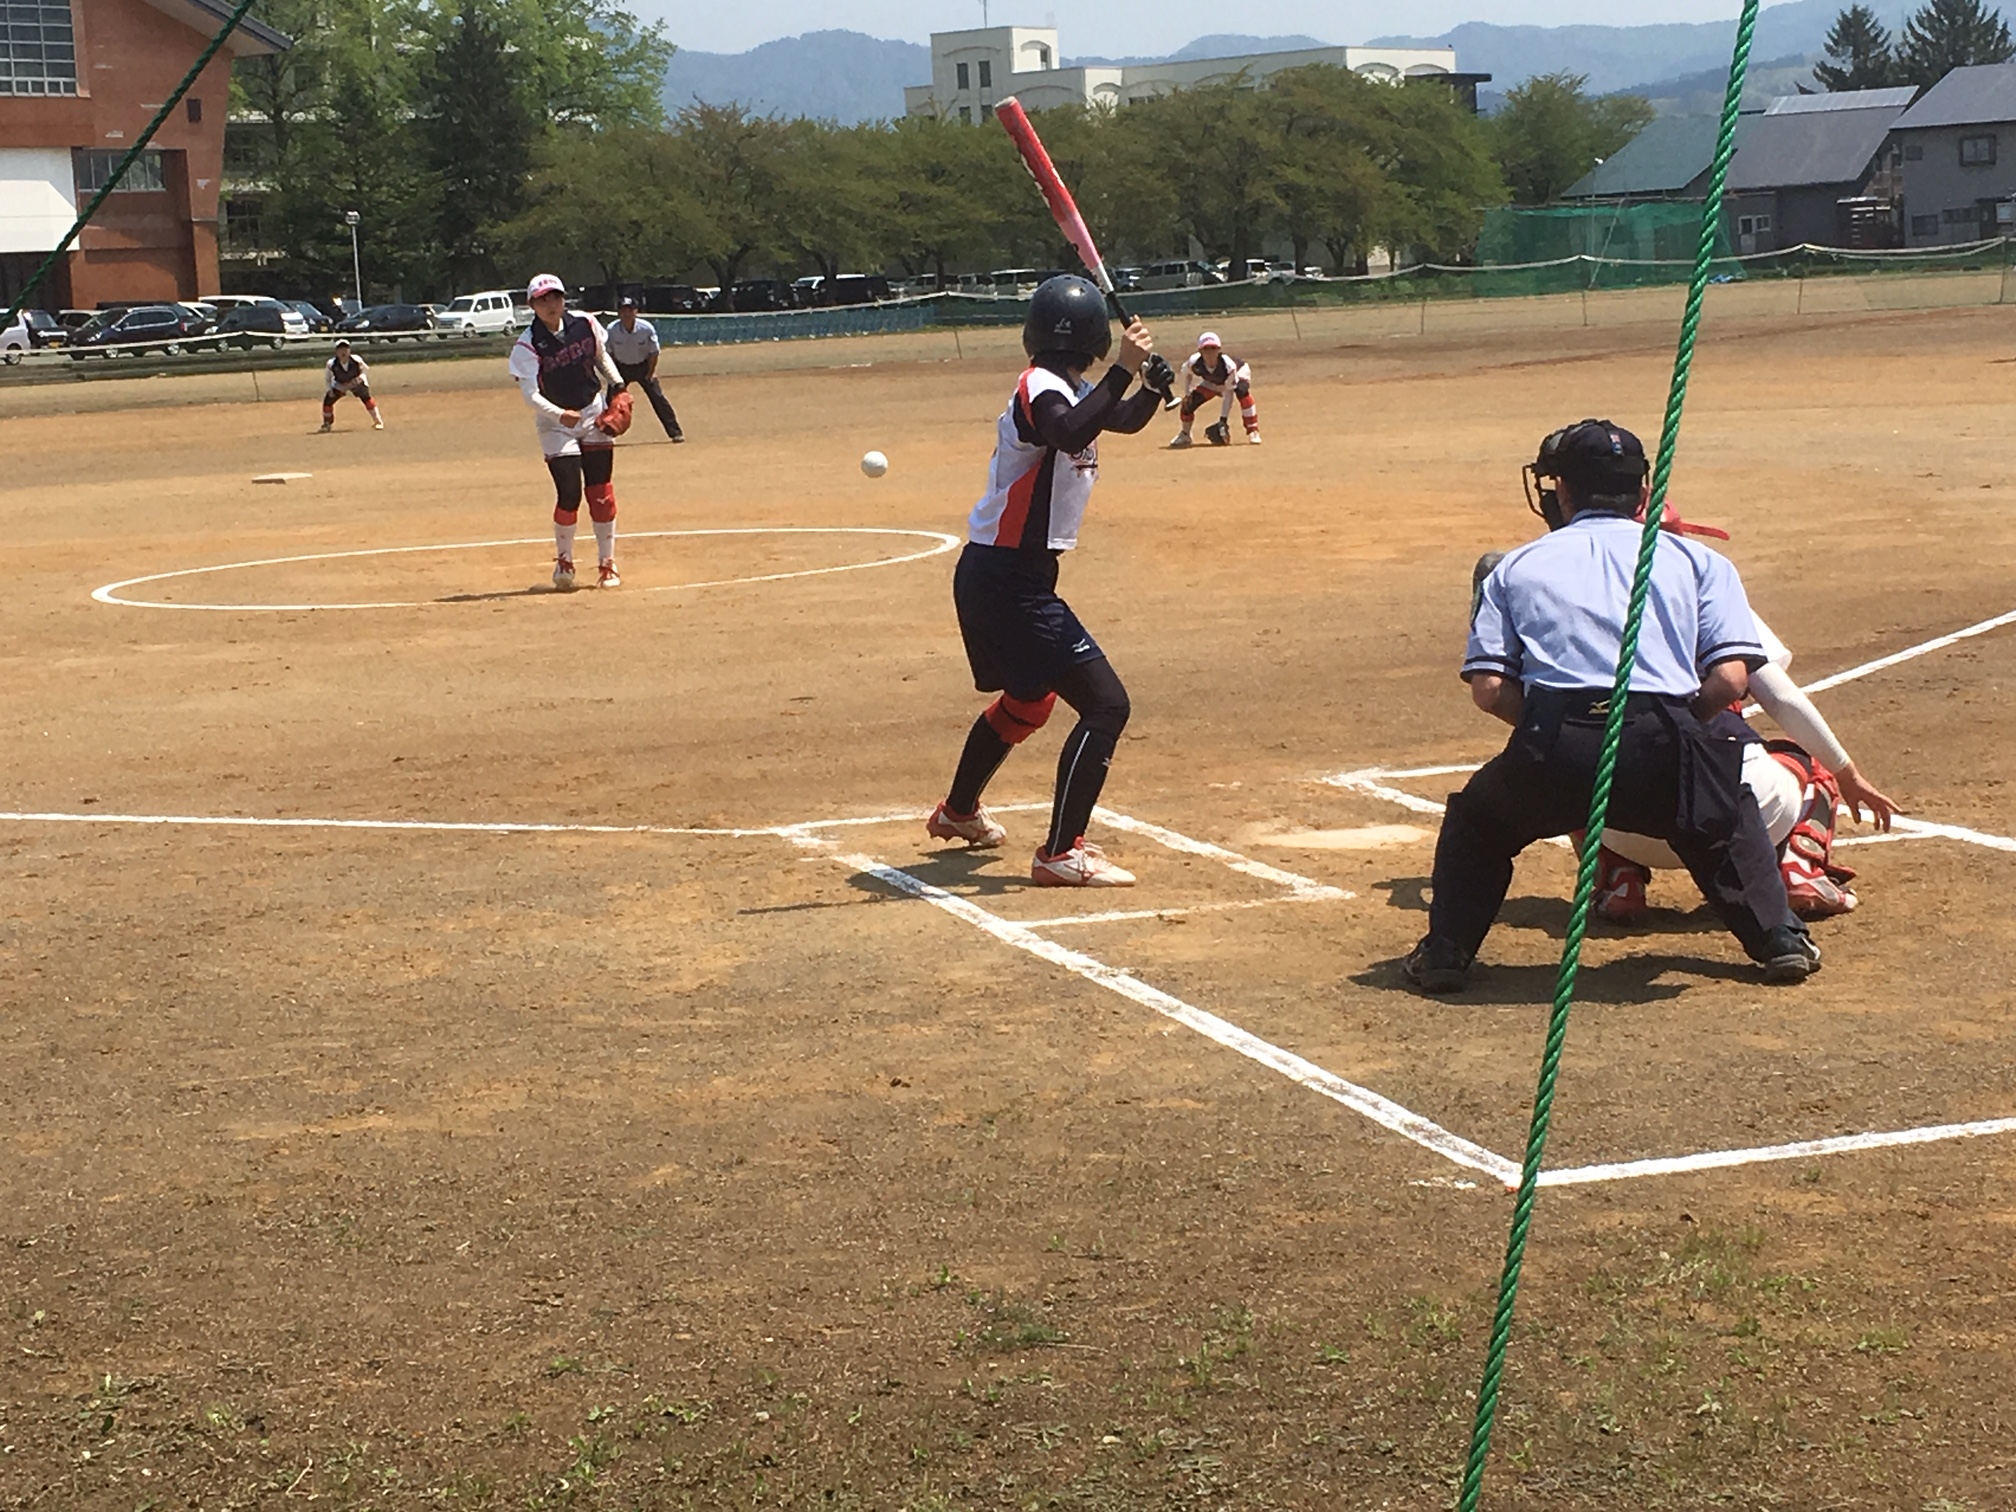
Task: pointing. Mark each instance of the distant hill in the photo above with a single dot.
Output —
(842, 76)
(848, 77)
(1624, 57)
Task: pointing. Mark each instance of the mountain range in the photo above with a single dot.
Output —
(848, 77)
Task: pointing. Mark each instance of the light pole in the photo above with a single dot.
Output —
(350, 219)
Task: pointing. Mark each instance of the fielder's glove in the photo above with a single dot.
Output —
(1218, 433)
(615, 419)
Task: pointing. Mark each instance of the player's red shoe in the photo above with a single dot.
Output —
(1620, 888)
(978, 829)
(1081, 866)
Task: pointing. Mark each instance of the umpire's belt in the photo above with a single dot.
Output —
(1555, 705)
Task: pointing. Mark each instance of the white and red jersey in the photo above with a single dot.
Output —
(1214, 377)
(1036, 495)
(567, 369)
(345, 375)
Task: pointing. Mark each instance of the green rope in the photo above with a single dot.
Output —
(132, 156)
(1599, 802)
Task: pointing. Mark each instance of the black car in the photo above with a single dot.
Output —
(247, 326)
(856, 289)
(155, 329)
(390, 321)
(755, 295)
(319, 323)
(672, 299)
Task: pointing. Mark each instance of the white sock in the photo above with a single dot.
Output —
(563, 540)
(605, 539)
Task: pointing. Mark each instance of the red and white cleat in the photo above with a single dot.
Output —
(563, 575)
(606, 575)
(1081, 866)
(978, 829)
(1620, 888)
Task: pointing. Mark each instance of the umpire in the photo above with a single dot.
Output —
(1543, 656)
(633, 347)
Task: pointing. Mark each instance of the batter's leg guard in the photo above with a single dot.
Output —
(1816, 887)
(1016, 719)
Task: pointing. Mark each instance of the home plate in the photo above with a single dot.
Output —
(281, 477)
(1371, 837)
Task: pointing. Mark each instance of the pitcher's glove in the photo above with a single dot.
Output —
(615, 419)
(1218, 434)
(1158, 377)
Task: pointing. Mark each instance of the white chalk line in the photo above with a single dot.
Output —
(1302, 887)
(109, 594)
(440, 826)
(1720, 1160)
(1362, 1100)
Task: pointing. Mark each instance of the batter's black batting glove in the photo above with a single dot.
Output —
(1159, 378)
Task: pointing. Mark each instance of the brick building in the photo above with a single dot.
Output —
(79, 80)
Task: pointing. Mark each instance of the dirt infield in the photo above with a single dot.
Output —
(709, 1148)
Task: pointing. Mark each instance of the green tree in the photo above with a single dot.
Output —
(480, 134)
(833, 201)
(1859, 54)
(1441, 164)
(1550, 132)
(587, 62)
(1217, 150)
(948, 212)
(738, 167)
(1947, 34)
(609, 206)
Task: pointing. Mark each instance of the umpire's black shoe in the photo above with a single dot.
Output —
(1791, 956)
(1436, 966)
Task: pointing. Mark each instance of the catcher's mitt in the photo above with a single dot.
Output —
(1218, 434)
(615, 419)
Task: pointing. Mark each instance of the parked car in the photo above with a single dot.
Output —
(754, 295)
(32, 331)
(72, 320)
(809, 291)
(162, 329)
(318, 322)
(1126, 280)
(223, 302)
(204, 311)
(858, 289)
(389, 321)
(266, 324)
(493, 313)
(673, 299)
(1180, 275)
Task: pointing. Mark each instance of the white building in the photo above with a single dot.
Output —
(970, 70)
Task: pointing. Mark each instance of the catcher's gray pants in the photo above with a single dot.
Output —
(639, 373)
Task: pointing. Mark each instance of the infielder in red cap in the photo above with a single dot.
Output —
(562, 366)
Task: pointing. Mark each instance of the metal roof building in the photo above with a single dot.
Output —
(1819, 169)
(1959, 158)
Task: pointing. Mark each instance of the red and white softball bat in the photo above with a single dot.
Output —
(1063, 209)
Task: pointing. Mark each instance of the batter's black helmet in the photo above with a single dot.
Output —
(1067, 317)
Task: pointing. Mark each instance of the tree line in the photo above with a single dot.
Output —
(479, 138)
(1940, 36)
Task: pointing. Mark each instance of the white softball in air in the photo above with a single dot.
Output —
(874, 464)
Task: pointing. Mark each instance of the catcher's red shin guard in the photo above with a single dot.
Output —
(1816, 887)
(601, 502)
(1016, 719)
(1620, 886)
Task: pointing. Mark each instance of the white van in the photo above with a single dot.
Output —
(498, 312)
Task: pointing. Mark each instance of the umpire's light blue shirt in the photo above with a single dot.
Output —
(1552, 613)
(631, 346)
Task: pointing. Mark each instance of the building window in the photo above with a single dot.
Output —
(1965, 215)
(965, 76)
(38, 48)
(987, 80)
(1975, 151)
(1924, 225)
(1042, 57)
(194, 108)
(986, 112)
(966, 111)
(1752, 225)
(1915, 153)
(94, 171)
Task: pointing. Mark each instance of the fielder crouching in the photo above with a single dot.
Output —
(1542, 657)
(1211, 373)
(579, 409)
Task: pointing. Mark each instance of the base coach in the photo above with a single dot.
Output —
(1543, 652)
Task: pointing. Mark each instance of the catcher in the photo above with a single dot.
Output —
(345, 374)
(1210, 373)
(579, 407)
(1799, 783)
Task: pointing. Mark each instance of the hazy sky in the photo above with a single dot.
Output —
(1116, 29)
